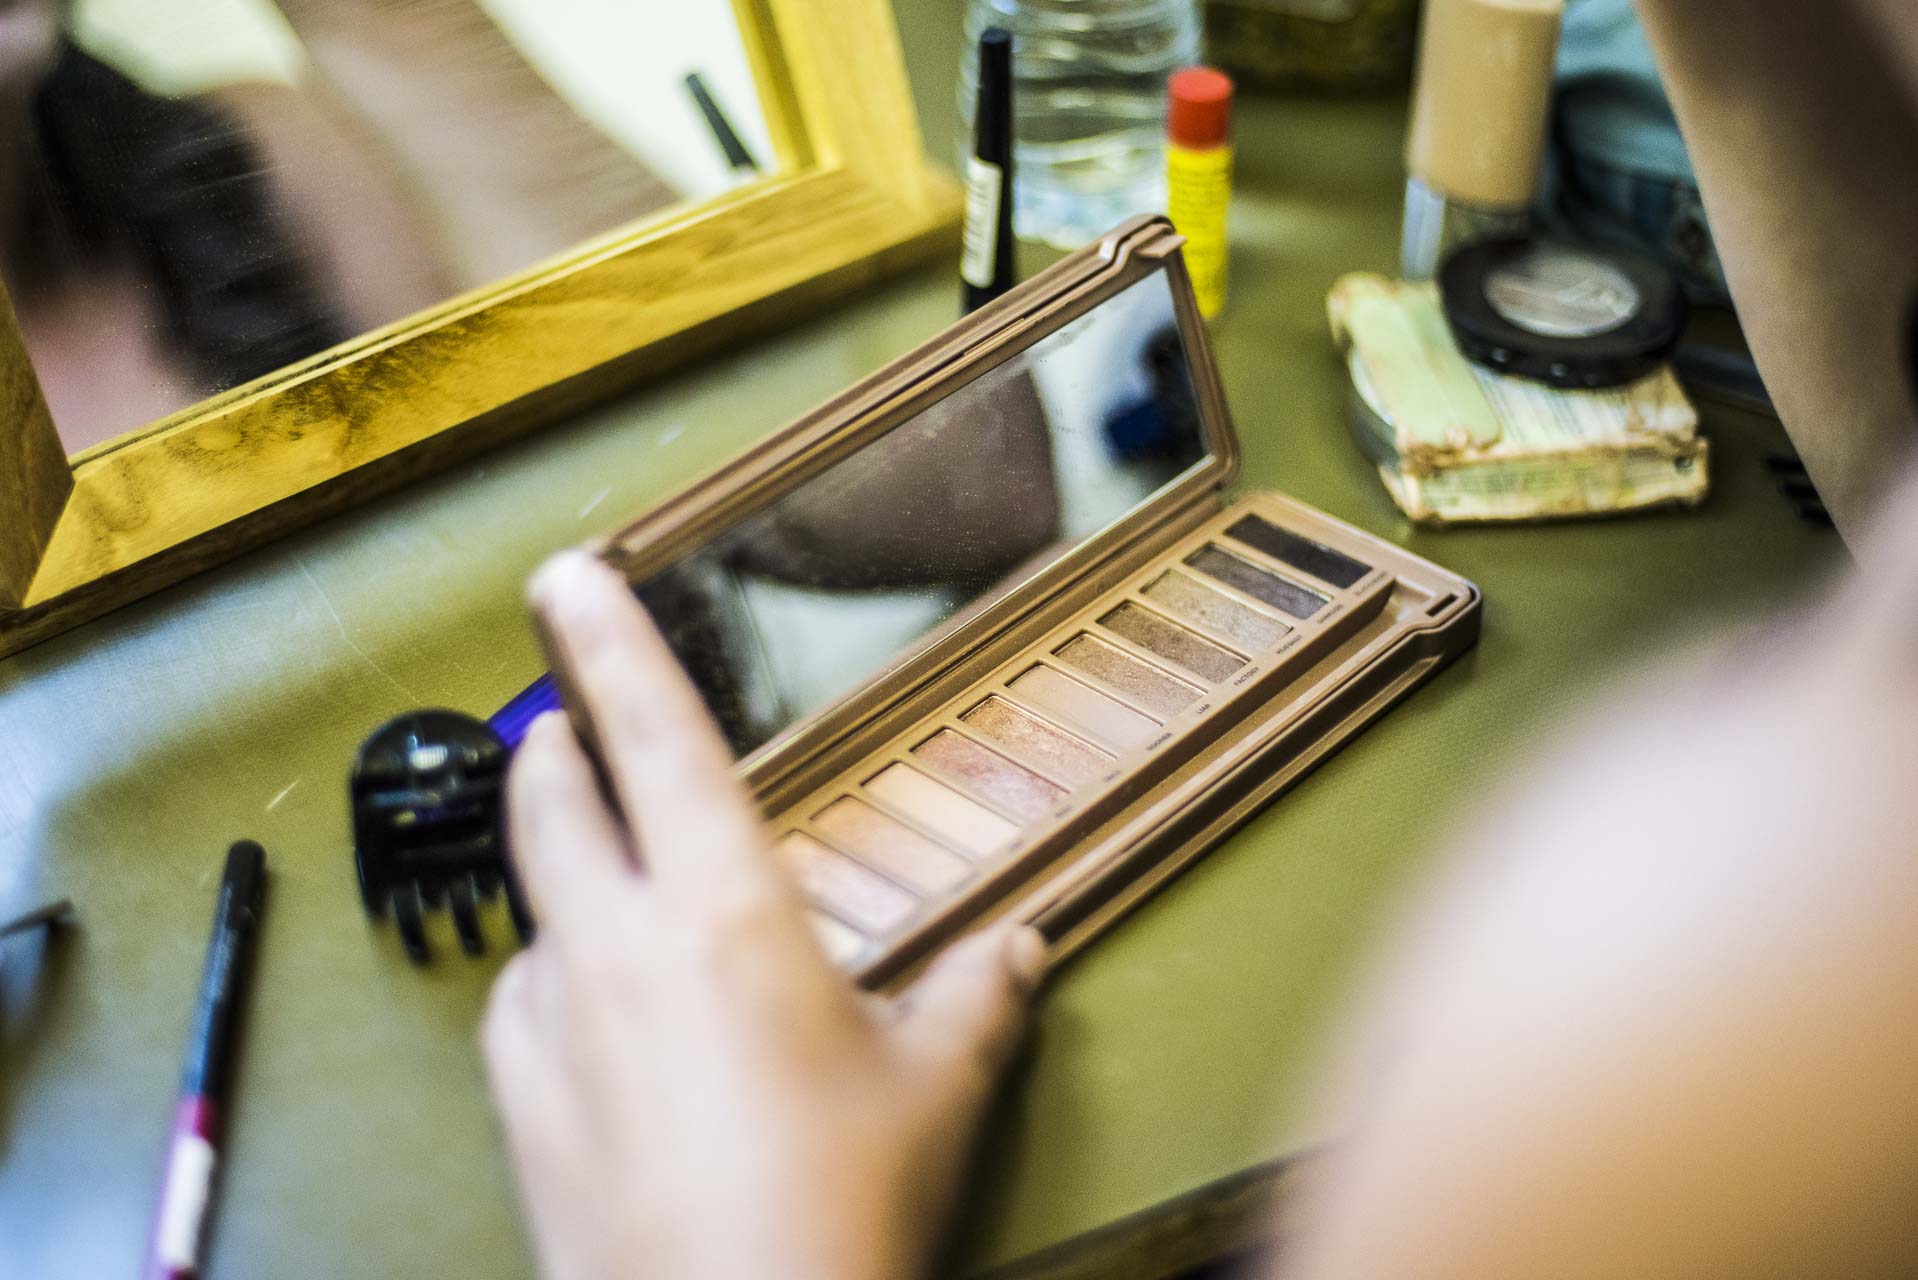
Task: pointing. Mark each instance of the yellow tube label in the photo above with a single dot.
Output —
(1198, 187)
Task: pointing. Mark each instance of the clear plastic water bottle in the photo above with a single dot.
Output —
(1088, 107)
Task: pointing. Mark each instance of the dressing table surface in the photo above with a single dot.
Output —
(1178, 1052)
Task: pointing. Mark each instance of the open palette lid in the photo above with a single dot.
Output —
(852, 556)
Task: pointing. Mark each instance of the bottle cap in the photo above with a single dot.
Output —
(1198, 107)
(1482, 99)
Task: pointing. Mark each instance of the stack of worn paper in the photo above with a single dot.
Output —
(1456, 442)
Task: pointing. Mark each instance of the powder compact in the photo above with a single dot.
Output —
(1573, 316)
(988, 636)
(986, 633)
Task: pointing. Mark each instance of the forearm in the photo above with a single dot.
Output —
(1675, 1042)
(1805, 146)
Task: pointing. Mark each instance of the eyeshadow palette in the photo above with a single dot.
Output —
(990, 638)
(1011, 767)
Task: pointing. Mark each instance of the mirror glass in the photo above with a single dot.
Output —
(193, 195)
(803, 602)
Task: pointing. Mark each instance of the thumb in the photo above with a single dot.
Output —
(963, 1018)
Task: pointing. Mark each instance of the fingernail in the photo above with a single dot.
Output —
(1025, 950)
(556, 577)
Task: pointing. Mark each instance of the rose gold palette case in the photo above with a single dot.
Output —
(991, 639)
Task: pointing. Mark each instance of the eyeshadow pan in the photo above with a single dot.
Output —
(842, 945)
(1258, 583)
(1196, 602)
(1017, 790)
(1321, 562)
(1172, 642)
(1111, 722)
(862, 831)
(970, 827)
(867, 901)
(1058, 753)
(1150, 687)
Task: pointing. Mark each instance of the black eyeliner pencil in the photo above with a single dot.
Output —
(193, 1150)
(986, 267)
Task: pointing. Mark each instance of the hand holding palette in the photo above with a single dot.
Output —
(987, 638)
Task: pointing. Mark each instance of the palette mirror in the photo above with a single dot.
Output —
(792, 607)
(193, 196)
(796, 606)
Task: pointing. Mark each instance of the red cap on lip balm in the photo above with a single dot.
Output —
(1198, 108)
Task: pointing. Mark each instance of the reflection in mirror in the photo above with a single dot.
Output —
(794, 607)
(193, 196)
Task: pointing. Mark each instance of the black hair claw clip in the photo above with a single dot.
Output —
(428, 794)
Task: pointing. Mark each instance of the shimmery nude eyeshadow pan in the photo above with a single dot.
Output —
(1192, 600)
(1258, 583)
(1149, 687)
(970, 827)
(1113, 723)
(867, 901)
(1172, 642)
(1017, 790)
(1027, 736)
(861, 831)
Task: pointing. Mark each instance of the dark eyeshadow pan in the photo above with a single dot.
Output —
(1303, 554)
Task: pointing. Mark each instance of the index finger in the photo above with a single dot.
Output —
(698, 832)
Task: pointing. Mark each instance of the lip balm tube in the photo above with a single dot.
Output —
(1479, 114)
(1198, 162)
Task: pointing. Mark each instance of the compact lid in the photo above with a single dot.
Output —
(1028, 440)
(1582, 316)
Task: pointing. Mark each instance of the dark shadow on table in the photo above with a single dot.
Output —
(33, 975)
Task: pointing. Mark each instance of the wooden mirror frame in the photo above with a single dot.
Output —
(853, 197)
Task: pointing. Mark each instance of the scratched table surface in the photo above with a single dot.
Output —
(1177, 1051)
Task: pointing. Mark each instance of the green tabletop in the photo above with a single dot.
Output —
(1175, 1052)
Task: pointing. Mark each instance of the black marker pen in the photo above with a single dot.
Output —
(193, 1149)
